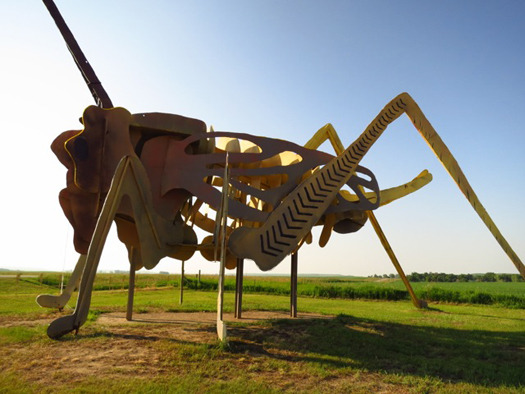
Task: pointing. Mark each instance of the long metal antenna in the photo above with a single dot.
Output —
(94, 85)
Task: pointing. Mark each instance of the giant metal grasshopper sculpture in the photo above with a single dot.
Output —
(152, 174)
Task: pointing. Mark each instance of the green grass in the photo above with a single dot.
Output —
(166, 299)
(190, 382)
(370, 346)
(16, 334)
(494, 288)
(15, 295)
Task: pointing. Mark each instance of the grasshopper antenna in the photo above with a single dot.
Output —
(95, 86)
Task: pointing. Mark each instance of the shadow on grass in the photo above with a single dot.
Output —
(480, 357)
(488, 358)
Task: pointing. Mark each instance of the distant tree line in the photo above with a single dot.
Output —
(385, 276)
(442, 277)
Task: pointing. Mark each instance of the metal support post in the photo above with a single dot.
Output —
(293, 286)
(131, 290)
(238, 288)
(181, 297)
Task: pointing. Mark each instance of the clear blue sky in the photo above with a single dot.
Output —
(282, 69)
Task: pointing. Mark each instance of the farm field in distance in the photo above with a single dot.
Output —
(509, 294)
(358, 340)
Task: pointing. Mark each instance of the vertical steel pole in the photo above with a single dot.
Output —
(222, 224)
(181, 297)
(131, 288)
(238, 288)
(293, 286)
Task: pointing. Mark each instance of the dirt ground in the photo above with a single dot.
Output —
(195, 327)
(113, 347)
(189, 318)
(168, 346)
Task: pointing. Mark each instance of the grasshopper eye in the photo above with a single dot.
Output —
(81, 149)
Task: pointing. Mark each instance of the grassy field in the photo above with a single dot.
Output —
(337, 345)
(508, 294)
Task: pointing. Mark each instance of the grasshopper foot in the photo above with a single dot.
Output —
(422, 304)
(51, 301)
(61, 326)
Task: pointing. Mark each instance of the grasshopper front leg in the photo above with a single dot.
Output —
(129, 180)
(53, 301)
